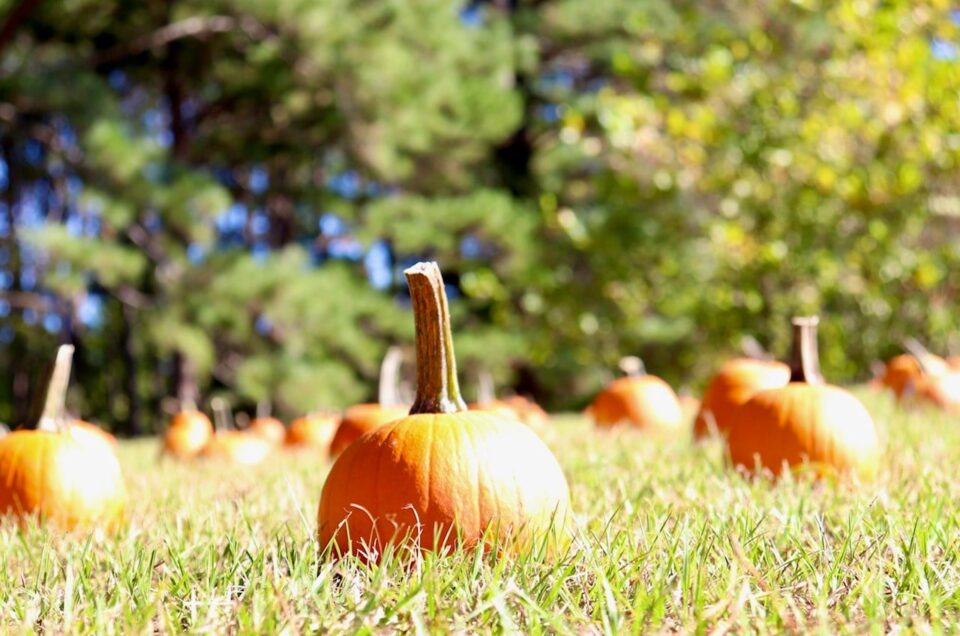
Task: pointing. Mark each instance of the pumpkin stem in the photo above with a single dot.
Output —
(486, 392)
(438, 390)
(52, 417)
(920, 353)
(632, 365)
(388, 393)
(804, 356)
(221, 414)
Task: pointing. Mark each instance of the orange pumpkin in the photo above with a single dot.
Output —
(52, 475)
(642, 401)
(805, 421)
(238, 447)
(943, 390)
(735, 383)
(517, 406)
(188, 432)
(443, 474)
(86, 430)
(315, 430)
(268, 428)
(361, 419)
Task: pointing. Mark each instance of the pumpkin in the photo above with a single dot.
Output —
(238, 447)
(187, 434)
(805, 421)
(49, 474)
(230, 445)
(314, 430)
(360, 419)
(92, 432)
(735, 383)
(442, 475)
(943, 390)
(639, 400)
(268, 428)
(517, 406)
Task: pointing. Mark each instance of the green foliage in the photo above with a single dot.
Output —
(596, 179)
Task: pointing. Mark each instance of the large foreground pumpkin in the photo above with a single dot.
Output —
(806, 421)
(443, 474)
(640, 400)
(736, 382)
(51, 474)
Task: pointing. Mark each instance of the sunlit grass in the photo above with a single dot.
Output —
(668, 539)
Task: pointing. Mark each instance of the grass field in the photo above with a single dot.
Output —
(668, 539)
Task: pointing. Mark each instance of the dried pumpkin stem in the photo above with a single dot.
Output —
(388, 393)
(438, 390)
(804, 356)
(53, 415)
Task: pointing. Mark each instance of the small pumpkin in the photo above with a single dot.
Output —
(266, 426)
(187, 434)
(735, 383)
(50, 474)
(443, 474)
(362, 418)
(314, 430)
(518, 406)
(942, 391)
(639, 400)
(805, 421)
(237, 447)
(230, 445)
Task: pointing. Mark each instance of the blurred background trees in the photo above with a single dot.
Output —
(219, 196)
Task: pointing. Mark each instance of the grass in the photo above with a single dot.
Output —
(669, 539)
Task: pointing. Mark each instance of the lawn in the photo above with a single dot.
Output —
(668, 539)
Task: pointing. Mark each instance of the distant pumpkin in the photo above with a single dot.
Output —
(314, 430)
(268, 428)
(736, 382)
(237, 447)
(639, 400)
(360, 419)
(187, 434)
(805, 422)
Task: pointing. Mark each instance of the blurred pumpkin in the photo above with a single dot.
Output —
(735, 383)
(268, 428)
(942, 391)
(187, 434)
(50, 474)
(360, 419)
(363, 418)
(443, 474)
(805, 421)
(516, 406)
(238, 447)
(230, 445)
(639, 400)
(87, 431)
(314, 430)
